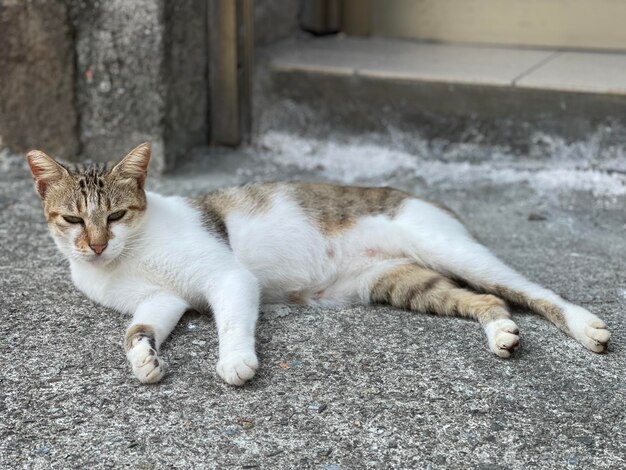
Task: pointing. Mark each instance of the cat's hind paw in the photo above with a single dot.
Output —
(147, 366)
(591, 332)
(237, 368)
(596, 336)
(503, 337)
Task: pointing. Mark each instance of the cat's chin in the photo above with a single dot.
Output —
(98, 260)
(102, 260)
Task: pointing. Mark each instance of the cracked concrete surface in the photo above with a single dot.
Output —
(355, 387)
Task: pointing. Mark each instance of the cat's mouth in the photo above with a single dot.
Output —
(98, 260)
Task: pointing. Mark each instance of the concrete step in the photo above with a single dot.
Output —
(394, 89)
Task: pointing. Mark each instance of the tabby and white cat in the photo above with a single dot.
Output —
(155, 257)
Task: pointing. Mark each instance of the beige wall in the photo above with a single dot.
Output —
(584, 24)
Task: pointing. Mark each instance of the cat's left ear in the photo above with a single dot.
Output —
(135, 164)
(46, 170)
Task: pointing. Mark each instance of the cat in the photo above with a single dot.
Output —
(155, 257)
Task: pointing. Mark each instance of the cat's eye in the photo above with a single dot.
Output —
(70, 219)
(116, 216)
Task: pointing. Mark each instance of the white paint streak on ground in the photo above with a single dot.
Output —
(568, 167)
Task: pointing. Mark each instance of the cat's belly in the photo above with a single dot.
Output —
(346, 279)
(302, 265)
(297, 260)
(293, 272)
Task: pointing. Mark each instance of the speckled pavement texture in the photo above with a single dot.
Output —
(346, 388)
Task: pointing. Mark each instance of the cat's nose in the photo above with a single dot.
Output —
(98, 249)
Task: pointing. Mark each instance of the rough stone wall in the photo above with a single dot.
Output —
(37, 77)
(186, 77)
(141, 77)
(90, 79)
(119, 87)
(275, 20)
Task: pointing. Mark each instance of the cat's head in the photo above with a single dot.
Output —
(93, 211)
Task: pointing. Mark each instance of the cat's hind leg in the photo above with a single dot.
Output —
(474, 264)
(576, 321)
(441, 242)
(153, 321)
(416, 288)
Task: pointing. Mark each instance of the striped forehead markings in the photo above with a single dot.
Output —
(91, 182)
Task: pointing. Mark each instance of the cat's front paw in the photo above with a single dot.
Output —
(147, 366)
(237, 368)
(503, 337)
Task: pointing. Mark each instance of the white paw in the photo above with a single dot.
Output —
(147, 366)
(588, 329)
(237, 368)
(503, 337)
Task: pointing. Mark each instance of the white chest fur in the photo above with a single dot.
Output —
(171, 251)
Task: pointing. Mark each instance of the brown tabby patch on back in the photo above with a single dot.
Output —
(332, 208)
(251, 199)
(335, 209)
(213, 214)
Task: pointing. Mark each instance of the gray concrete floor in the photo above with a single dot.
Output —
(356, 387)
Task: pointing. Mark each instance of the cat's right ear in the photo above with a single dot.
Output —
(135, 164)
(46, 171)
